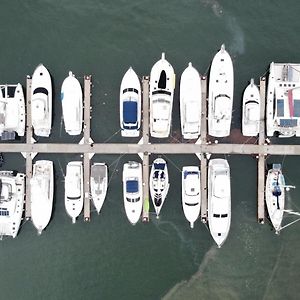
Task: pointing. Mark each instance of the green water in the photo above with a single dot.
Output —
(108, 258)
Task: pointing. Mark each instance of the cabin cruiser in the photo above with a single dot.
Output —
(220, 97)
(130, 104)
(190, 103)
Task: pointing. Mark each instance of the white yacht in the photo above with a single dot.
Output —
(133, 191)
(12, 190)
(71, 100)
(41, 194)
(283, 100)
(130, 104)
(162, 85)
(220, 97)
(159, 183)
(251, 110)
(219, 200)
(74, 189)
(12, 109)
(99, 180)
(41, 101)
(191, 193)
(190, 103)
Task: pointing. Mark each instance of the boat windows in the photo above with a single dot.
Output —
(40, 90)
(130, 90)
(191, 204)
(133, 200)
(161, 92)
(224, 215)
(216, 215)
(73, 198)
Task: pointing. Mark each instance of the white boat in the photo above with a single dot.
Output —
(130, 104)
(133, 191)
(190, 103)
(41, 101)
(12, 190)
(71, 100)
(159, 183)
(162, 85)
(220, 97)
(12, 109)
(99, 180)
(191, 194)
(74, 189)
(283, 100)
(251, 110)
(219, 200)
(41, 194)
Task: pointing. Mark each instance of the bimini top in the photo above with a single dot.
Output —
(130, 111)
(132, 186)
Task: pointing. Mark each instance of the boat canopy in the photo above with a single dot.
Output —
(130, 111)
(221, 186)
(132, 186)
(39, 109)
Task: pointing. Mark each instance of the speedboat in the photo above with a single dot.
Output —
(130, 104)
(74, 189)
(190, 103)
(41, 101)
(98, 184)
(71, 99)
(41, 194)
(159, 183)
(12, 190)
(191, 195)
(133, 191)
(162, 85)
(220, 97)
(219, 199)
(283, 100)
(251, 110)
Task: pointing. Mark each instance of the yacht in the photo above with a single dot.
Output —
(41, 194)
(220, 97)
(130, 104)
(74, 189)
(41, 101)
(162, 85)
(251, 110)
(190, 103)
(283, 100)
(99, 181)
(133, 191)
(12, 190)
(191, 194)
(219, 199)
(159, 183)
(71, 100)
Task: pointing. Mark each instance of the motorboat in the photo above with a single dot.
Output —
(220, 96)
(130, 104)
(191, 194)
(219, 199)
(74, 189)
(133, 191)
(190, 103)
(162, 85)
(251, 110)
(159, 183)
(41, 101)
(71, 100)
(41, 194)
(99, 181)
(12, 191)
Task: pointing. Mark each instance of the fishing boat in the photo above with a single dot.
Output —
(162, 85)
(12, 191)
(219, 200)
(99, 179)
(251, 110)
(130, 104)
(132, 191)
(41, 101)
(190, 103)
(191, 195)
(220, 96)
(71, 100)
(159, 183)
(74, 189)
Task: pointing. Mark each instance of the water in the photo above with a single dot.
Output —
(108, 258)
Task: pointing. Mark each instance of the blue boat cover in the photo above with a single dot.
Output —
(132, 186)
(288, 122)
(129, 112)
